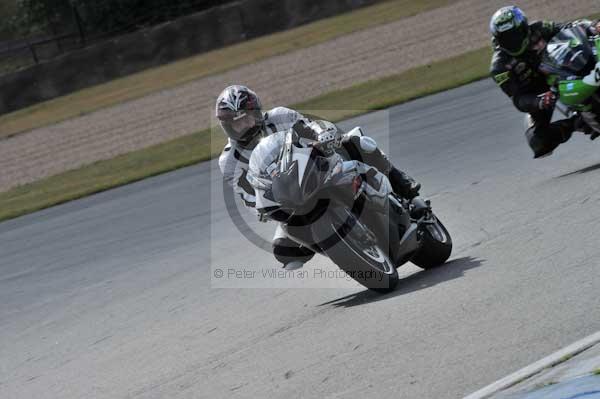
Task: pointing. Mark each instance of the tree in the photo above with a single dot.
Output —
(98, 17)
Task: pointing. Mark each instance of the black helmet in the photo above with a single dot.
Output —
(239, 112)
(510, 30)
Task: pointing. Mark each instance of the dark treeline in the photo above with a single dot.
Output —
(97, 17)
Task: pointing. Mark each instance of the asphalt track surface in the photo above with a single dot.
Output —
(112, 296)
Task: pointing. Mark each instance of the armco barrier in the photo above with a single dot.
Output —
(187, 36)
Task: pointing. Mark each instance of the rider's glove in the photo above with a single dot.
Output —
(546, 100)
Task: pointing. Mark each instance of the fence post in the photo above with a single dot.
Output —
(32, 49)
(79, 24)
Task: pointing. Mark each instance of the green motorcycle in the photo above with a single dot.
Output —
(572, 63)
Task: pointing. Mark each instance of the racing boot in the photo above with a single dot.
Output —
(402, 184)
(544, 139)
(364, 149)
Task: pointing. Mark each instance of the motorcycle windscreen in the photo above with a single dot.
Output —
(568, 53)
(300, 186)
(285, 187)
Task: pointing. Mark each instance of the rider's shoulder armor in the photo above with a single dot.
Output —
(544, 30)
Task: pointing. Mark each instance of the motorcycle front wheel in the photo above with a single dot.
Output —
(351, 246)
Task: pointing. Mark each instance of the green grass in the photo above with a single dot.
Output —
(217, 61)
(596, 372)
(414, 83)
(114, 172)
(206, 144)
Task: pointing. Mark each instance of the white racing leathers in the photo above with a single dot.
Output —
(234, 163)
(234, 159)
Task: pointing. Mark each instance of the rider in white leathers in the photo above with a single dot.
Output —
(240, 115)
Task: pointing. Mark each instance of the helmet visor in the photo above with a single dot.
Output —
(238, 125)
(514, 41)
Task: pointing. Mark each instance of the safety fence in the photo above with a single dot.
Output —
(80, 27)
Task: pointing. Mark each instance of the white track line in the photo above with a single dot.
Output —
(532, 369)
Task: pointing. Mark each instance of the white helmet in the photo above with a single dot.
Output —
(239, 112)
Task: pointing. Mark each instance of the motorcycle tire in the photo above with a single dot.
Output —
(436, 247)
(361, 259)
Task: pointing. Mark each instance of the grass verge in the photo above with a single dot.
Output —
(103, 175)
(188, 150)
(217, 61)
